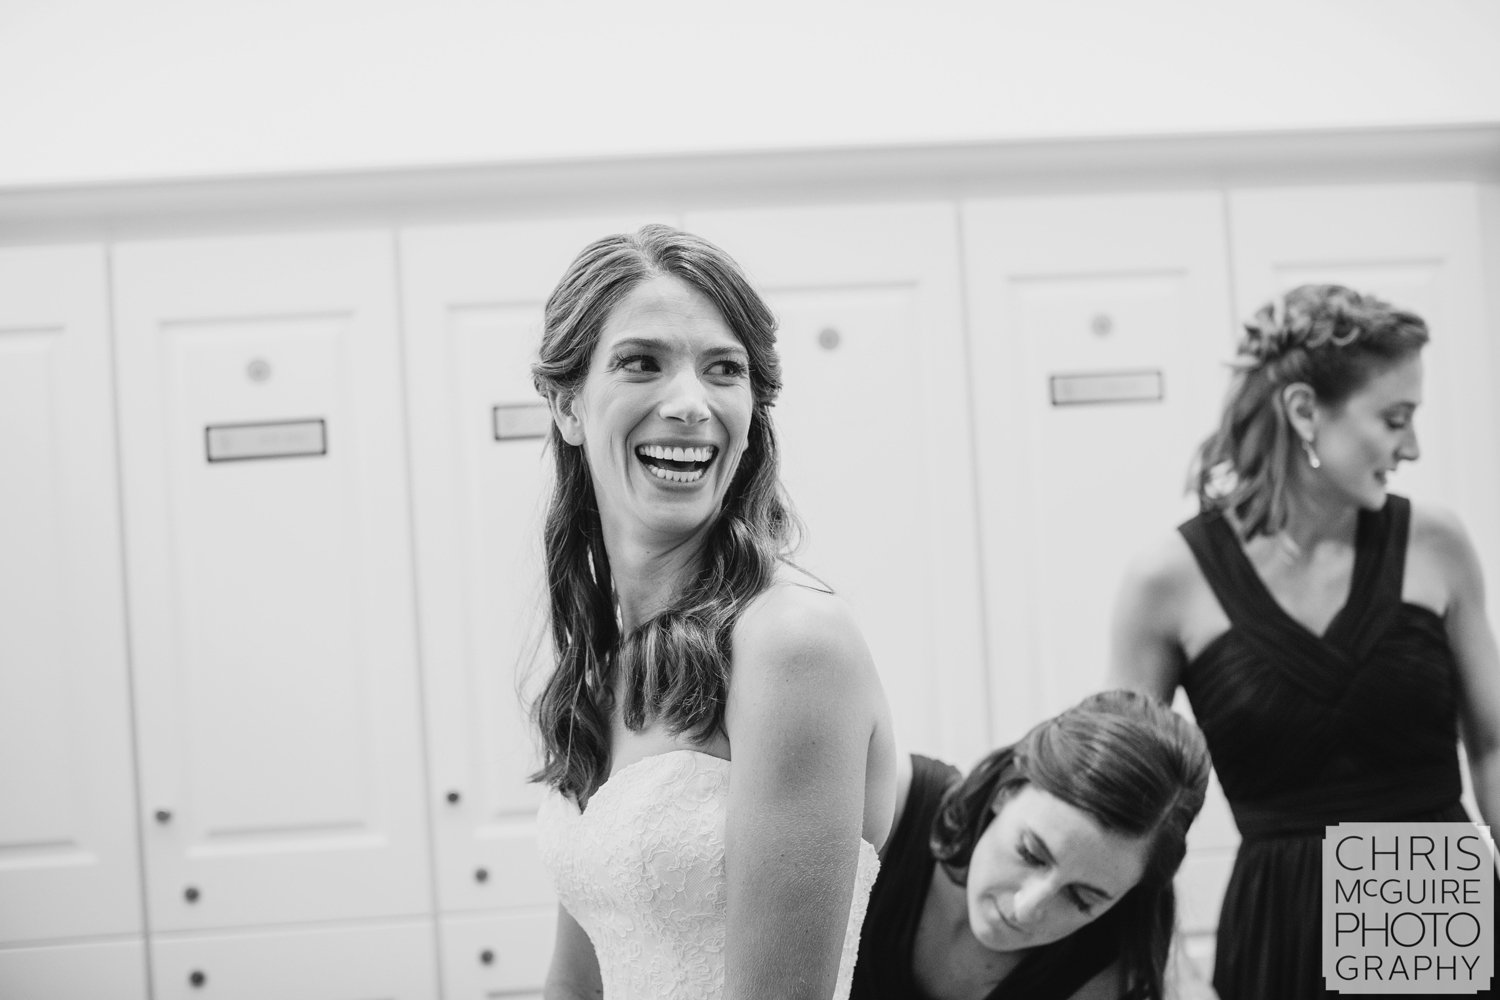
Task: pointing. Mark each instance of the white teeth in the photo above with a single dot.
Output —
(675, 454)
(677, 477)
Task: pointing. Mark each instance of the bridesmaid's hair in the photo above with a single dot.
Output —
(1327, 336)
(675, 667)
(1136, 767)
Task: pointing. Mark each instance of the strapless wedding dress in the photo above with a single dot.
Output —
(642, 871)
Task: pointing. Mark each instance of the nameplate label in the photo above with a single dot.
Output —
(1106, 387)
(273, 439)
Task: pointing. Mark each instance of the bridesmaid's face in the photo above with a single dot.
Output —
(1363, 440)
(1043, 869)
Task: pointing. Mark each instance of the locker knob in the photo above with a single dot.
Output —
(197, 978)
(829, 338)
(481, 875)
(487, 957)
(259, 370)
(1102, 325)
(164, 815)
(190, 894)
(453, 798)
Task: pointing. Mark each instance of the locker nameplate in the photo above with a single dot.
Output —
(1107, 387)
(515, 421)
(273, 439)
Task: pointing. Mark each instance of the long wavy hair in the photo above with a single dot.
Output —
(1136, 767)
(1327, 336)
(674, 668)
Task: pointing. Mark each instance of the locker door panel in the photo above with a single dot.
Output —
(370, 962)
(250, 775)
(473, 305)
(113, 969)
(839, 454)
(500, 955)
(1075, 328)
(877, 444)
(272, 604)
(1102, 325)
(67, 827)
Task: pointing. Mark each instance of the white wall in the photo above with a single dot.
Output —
(96, 91)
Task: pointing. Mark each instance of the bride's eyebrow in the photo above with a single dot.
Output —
(648, 344)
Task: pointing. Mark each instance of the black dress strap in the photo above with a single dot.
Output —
(1319, 665)
(1374, 585)
(1229, 573)
(1382, 542)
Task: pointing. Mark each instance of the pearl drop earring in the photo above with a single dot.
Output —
(1312, 456)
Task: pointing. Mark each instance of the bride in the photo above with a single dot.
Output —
(714, 732)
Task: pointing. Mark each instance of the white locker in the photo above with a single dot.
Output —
(1100, 327)
(379, 961)
(1077, 469)
(68, 853)
(268, 547)
(94, 970)
(876, 443)
(473, 306)
(496, 955)
(1418, 246)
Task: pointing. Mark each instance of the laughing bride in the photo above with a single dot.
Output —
(689, 652)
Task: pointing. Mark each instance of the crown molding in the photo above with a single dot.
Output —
(677, 183)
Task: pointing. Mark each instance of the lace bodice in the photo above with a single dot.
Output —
(642, 871)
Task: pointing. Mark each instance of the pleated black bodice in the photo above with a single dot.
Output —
(1305, 731)
(1359, 724)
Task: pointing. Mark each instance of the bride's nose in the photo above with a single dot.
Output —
(684, 399)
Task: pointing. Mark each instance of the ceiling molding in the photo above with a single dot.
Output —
(677, 183)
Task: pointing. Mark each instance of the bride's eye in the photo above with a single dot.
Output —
(635, 364)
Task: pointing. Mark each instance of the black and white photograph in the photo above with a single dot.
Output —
(808, 500)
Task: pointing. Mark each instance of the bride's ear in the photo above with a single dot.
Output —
(563, 407)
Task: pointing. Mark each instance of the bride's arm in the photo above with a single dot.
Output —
(574, 973)
(804, 699)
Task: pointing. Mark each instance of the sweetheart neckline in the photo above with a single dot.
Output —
(637, 763)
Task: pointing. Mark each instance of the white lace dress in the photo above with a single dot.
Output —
(642, 871)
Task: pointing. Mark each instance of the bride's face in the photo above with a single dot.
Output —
(663, 415)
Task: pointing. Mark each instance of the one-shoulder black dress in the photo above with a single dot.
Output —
(1356, 725)
(883, 970)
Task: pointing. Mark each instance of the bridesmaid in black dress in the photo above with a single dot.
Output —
(1331, 636)
(1046, 873)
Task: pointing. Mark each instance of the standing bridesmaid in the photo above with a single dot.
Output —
(1331, 636)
